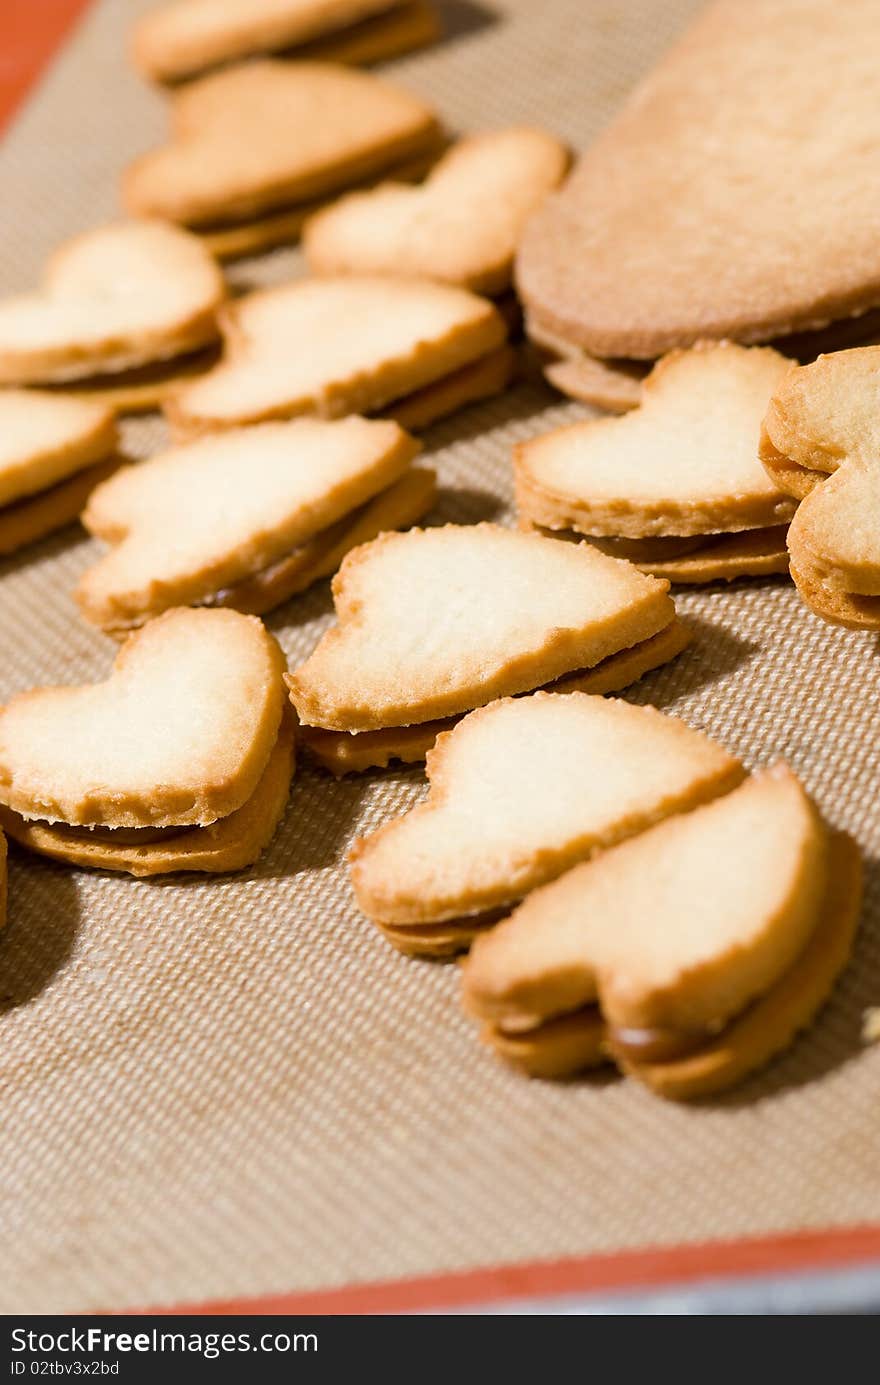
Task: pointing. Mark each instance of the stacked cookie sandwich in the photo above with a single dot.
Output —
(255, 149)
(436, 622)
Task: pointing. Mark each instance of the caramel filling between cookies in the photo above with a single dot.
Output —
(659, 548)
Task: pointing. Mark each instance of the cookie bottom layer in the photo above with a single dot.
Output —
(615, 386)
(480, 379)
(850, 609)
(344, 752)
(143, 388)
(566, 1044)
(283, 225)
(413, 24)
(694, 560)
(226, 845)
(397, 507)
(36, 516)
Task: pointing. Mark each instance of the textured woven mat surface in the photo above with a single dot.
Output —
(236, 1087)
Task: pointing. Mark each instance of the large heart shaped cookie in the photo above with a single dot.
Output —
(821, 443)
(461, 226)
(735, 195)
(704, 944)
(115, 298)
(267, 134)
(180, 733)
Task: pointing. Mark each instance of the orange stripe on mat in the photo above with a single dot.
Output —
(795, 1252)
(30, 33)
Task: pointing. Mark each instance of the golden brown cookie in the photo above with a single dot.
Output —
(184, 38)
(269, 135)
(683, 465)
(551, 780)
(178, 735)
(374, 344)
(821, 442)
(461, 226)
(53, 452)
(693, 998)
(255, 499)
(726, 208)
(122, 297)
(435, 622)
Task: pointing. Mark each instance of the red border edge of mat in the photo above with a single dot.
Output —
(30, 47)
(791, 1252)
(31, 37)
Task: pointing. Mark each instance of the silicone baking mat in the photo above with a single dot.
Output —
(233, 1089)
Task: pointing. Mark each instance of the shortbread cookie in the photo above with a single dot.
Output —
(671, 484)
(271, 135)
(179, 735)
(692, 1000)
(823, 420)
(237, 239)
(185, 38)
(461, 226)
(53, 452)
(434, 623)
(372, 343)
(128, 295)
(228, 844)
(255, 499)
(551, 779)
(411, 24)
(714, 208)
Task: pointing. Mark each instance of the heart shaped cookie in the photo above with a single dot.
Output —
(436, 622)
(702, 945)
(821, 443)
(182, 39)
(461, 226)
(266, 135)
(114, 299)
(257, 500)
(676, 484)
(339, 346)
(179, 734)
(551, 779)
(53, 452)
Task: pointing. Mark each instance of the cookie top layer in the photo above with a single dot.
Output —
(118, 297)
(684, 462)
(252, 137)
(461, 226)
(336, 346)
(178, 40)
(179, 733)
(435, 622)
(523, 789)
(825, 413)
(679, 928)
(45, 437)
(825, 418)
(743, 208)
(249, 496)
